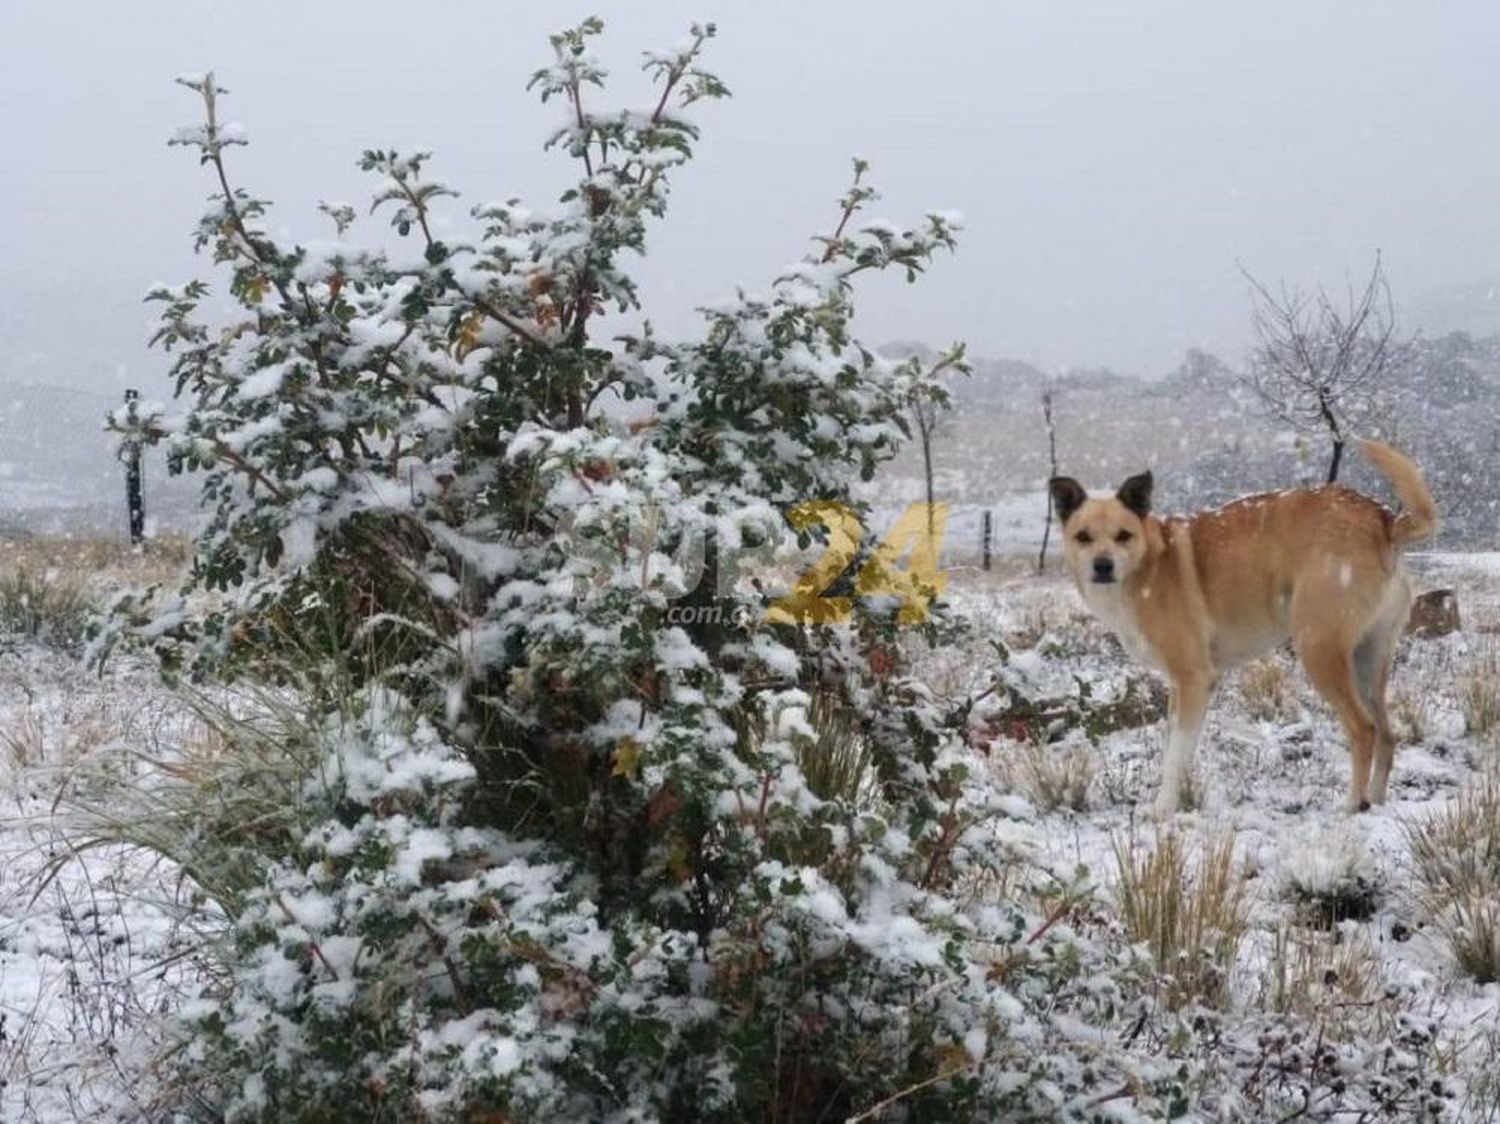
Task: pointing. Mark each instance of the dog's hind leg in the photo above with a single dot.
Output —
(1373, 661)
(1189, 704)
(1330, 665)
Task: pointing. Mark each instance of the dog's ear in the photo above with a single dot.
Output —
(1067, 496)
(1135, 494)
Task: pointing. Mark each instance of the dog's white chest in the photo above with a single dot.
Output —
(1109, 604)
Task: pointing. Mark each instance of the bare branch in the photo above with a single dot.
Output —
(1318, 365)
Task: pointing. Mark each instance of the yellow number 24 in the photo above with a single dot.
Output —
(918, 531)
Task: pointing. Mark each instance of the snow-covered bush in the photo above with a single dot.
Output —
(400, 963)
(600, 827)
(1051, 694)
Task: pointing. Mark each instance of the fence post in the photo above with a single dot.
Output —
(135, 502)
(984, 540)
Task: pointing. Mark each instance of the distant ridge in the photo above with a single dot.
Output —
(58, 469)
(1204, 433)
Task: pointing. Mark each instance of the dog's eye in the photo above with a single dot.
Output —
(1124, 536)
(1083, 537)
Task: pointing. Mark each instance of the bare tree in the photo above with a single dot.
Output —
(1320, 365)
(927, 407)
(925, 414)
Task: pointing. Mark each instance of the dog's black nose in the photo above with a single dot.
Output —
(1104, 569)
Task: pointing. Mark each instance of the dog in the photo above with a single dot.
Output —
(1196, 595)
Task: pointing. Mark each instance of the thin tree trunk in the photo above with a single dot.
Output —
(1041, 558)
(926, 431)
(1330, 420)
(1338, 456)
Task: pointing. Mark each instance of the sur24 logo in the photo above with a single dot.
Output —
(767, 549)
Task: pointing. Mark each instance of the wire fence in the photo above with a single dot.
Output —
(979, 536)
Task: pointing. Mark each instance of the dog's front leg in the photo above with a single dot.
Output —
(1189, 703)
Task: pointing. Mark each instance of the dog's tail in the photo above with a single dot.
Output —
(1419, 517)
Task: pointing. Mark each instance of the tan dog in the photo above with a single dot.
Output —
(1195, 595)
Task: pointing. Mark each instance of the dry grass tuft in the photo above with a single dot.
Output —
(1309, 972)
(1456, 852)
(1189, 906)
(1482, 1096)
(837, 761)
(24, 738)
(45, 604)
(1411, 715)
(1479, 696)
(231, 797)
(90, 558)
(33, 736)
(1456, 855)
(1267, 691)
(1472, 930)
(51, 586)
(1052, 777)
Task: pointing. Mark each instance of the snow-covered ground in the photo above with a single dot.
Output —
(94, 951)
(1272, 769)
(91, 953)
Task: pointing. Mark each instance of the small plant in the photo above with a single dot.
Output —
(1053, 777)
(1190, 907)
(1266, 688)
(1331, 878)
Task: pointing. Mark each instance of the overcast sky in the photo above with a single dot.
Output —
(1113, 161)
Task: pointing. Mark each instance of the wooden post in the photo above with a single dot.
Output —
(985, 539)
(135, 502)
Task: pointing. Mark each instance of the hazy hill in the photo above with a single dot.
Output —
(58, 469)
(1205, 437)
(1474, 309)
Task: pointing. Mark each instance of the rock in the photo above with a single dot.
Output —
(1434, 613)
